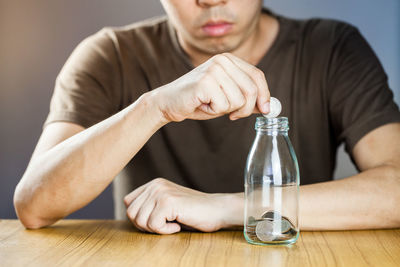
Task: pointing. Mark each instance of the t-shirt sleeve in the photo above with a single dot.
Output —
(360, 99)
(88, 88)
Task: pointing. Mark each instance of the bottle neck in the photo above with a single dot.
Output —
(272, 126)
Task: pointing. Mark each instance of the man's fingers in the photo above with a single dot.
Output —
(245, 83)
(256, 110)
(230, 89)
(152, 208)
(213, 98)
(136, 205)
(134, 194)
(161, 220)
(142, 216)
(263, 93)
(170, 228)
(247, 109)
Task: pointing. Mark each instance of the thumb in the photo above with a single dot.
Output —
(169, 228)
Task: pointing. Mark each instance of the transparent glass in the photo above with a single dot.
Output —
(271, 185)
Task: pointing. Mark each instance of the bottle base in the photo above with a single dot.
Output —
(276, 241)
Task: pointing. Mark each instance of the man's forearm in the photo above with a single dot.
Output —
(72, 173)
(367, 200)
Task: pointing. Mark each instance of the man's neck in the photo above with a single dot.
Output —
(252, 50)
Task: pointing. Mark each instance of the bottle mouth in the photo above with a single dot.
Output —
(276, 124)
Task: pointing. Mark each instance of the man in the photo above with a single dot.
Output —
(174, 98)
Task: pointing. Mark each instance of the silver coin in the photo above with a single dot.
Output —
(285, 225)
(264, 230)
(275, 108)
(251, 220)
(271, 215)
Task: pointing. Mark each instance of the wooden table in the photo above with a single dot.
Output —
(108, 242)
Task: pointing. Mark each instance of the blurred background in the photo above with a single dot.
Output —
(36, 38)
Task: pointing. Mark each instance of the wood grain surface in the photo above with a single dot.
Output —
(117, 243)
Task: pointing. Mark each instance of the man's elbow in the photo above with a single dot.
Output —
(28, 220)
(23, 209)
(31, 223)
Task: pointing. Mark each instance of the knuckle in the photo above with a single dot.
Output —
(239, 103)
(213, 68)
(242, 113)
(226, 105)
(216, 109)
(126, 201)
(259, 74)
(159, 183)
(223, 107)
(153, 225)
(247, 112)
(160, 187)
(242, 100)
(207, 79)
(128, 214)
(159, 180)
(218, 58)
(251, 91)
(141, 221)
(256, 73)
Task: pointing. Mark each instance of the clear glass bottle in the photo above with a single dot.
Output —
(271, 185)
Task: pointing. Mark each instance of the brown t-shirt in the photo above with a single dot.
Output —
(331, 85)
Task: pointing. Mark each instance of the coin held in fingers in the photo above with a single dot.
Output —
(275, 108)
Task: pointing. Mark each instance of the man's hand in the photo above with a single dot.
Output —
(160, 206)
(222, 85)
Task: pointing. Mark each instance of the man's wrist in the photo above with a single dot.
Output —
(149, 102)
(232, 210)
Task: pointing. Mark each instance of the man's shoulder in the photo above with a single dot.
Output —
(136, 40)
(147, 25)
(322, 30)
(146, 28)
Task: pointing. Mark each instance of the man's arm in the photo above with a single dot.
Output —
(367, 200)
(71, 166)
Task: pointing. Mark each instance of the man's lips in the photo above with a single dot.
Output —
(218, 28)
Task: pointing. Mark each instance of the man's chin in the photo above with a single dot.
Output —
(214, 49)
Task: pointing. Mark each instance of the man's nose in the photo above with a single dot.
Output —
(210, 3)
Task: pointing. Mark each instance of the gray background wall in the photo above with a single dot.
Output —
(36, 37)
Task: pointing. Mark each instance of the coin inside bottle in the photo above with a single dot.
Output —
(270, 228)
